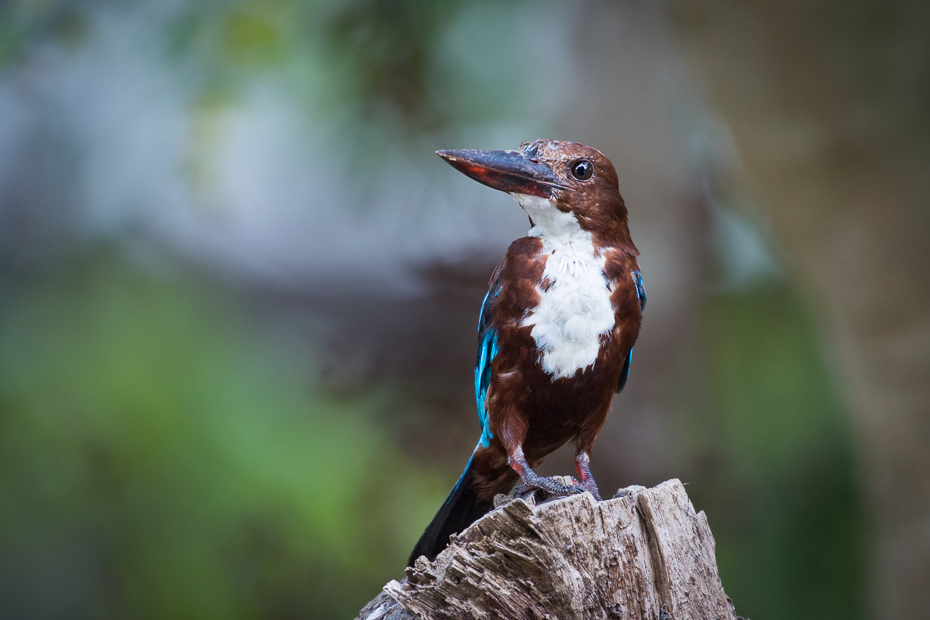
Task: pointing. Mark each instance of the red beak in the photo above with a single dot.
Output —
(507, 171)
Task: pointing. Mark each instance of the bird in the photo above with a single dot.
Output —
(556, 328)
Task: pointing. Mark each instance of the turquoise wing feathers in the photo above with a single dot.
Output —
(641, 297)
(487, 351)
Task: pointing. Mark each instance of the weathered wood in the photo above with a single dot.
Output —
(645, 554)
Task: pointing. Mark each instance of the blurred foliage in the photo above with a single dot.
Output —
(379, 56)
(773, 455)
(26, 22)
(390, 47)
(155, 462)
(390, 63)
(373, 55)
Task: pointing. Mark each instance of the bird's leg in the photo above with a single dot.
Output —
(587, 480)
(532, 480)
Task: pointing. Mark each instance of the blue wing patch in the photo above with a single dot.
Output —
(625, 373)
(640, 291)
(641, 297)
(487, 351)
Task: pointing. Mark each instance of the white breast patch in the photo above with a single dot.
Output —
(575, 310)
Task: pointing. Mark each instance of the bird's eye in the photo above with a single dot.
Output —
(582, 170)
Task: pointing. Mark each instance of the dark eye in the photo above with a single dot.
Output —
(582, 170)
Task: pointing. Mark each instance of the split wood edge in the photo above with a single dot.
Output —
(643, 554)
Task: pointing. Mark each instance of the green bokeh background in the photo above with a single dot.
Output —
(161, 457)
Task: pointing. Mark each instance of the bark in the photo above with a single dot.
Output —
(646, 554)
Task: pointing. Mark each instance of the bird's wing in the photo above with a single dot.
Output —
(625, 373)
(640, 291)
(641, 297)
(487, 350)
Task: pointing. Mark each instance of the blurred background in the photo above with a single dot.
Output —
(239, 292)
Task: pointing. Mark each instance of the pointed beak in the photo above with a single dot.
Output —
(507, 171)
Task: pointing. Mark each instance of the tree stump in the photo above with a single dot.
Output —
(643, 554)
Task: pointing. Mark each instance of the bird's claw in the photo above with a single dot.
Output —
(592, 489)
(549, 487)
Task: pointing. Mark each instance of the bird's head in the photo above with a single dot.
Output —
(563, 186)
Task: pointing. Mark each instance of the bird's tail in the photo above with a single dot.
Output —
(461, 509)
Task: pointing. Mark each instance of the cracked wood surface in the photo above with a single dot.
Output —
(646, 554)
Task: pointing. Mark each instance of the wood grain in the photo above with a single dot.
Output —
(646, 554)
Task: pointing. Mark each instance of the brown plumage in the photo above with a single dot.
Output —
(562, 314)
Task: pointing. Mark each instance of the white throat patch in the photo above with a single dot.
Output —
(575, 310)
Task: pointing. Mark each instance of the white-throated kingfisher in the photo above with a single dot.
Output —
(557, 326)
